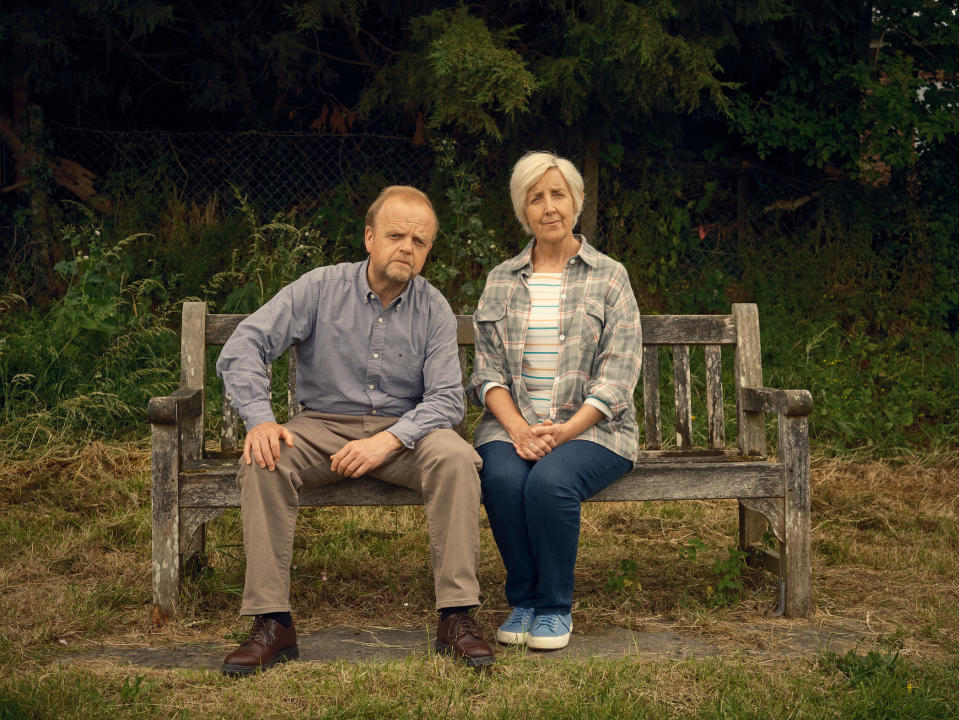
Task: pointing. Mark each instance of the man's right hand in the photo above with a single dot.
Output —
(263, 444)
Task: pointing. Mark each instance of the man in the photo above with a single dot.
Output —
(378, 375)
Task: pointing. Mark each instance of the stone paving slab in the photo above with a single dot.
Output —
(354, 644)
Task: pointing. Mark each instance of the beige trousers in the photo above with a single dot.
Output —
(443, 466)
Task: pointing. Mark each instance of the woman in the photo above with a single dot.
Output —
(557, 359)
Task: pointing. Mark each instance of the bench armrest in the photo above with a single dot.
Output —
(171, 409)
(782, 402)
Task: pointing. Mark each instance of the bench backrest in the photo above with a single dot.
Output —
(739, 330)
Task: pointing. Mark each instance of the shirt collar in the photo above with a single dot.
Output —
(367, 294)
(524, 260)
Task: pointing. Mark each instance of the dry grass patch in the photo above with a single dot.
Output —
(75, 543)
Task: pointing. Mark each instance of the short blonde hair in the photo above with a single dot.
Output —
(529, 169)
(393, 190)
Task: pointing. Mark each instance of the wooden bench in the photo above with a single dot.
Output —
(192, 486)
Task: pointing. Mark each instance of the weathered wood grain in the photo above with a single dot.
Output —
(784, 402)
(682, 396)
(165, 509)
(688, 330)
(293, 407)
(651, 407)
(210, 483)
(220, 326)
(797, 550)
(748, 372)
(657, 329)
(714, 396)
(193, 375)
(229, 424)
(172, 408)
(772, 511)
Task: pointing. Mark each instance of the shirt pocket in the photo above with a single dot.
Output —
(594, 321)
(402, 376)
(490, 321)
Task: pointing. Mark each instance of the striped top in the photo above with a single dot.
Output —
(541, 351)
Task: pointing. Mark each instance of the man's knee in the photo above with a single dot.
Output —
(447, 448)
(256, 481)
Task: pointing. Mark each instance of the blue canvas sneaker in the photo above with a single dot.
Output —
(513, 630)
(550, 631)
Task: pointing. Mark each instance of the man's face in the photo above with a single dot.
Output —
(400, 239)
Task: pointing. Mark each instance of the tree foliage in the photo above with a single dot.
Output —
(866, 102)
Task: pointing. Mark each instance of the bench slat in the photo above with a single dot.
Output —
(651, 410)
(193, 373)
(714, 397)
(657, 329)
(688, 330)
(211, 483)
(229, 425)
(293, 407)
(682, 397)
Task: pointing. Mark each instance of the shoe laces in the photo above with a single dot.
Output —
(464, 623)
(552, 621)
(258, 631)
(520, 615)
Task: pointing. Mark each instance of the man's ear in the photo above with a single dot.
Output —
(368, 238)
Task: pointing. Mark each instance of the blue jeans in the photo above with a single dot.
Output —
(533, 510)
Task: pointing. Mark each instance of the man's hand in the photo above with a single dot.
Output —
(263, 444)
(358, 457)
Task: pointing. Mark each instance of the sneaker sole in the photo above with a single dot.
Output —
(475, 662)
(510, 638)
(537, 642)
(547, 643)
(284, 655)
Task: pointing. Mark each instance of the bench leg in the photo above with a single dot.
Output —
(165, 467)
(797, 548)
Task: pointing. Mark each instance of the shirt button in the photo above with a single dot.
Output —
(375, 355)
(372, 386)
(562, 337)
(379, 320)
(373, 411)
(563, 296)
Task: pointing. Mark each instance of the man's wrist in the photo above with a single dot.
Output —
(394, 442)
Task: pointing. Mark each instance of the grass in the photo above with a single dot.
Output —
(74, 575)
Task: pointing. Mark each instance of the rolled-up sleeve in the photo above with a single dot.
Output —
(257, 341)
(443, 404)
(616, 365)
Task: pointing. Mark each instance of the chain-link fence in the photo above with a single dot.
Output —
(695, 214)
(276, 170)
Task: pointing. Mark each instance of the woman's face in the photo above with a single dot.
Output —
(549, 208)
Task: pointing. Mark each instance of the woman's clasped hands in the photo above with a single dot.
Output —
(536, 441)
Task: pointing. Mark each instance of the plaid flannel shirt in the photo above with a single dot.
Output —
(600, 346)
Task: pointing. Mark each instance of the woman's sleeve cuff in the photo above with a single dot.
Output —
(487, 386)
(601, 406)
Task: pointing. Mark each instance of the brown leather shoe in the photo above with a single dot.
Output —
(269, 643)
(460, 636)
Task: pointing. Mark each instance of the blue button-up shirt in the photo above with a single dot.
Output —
(353, 356)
